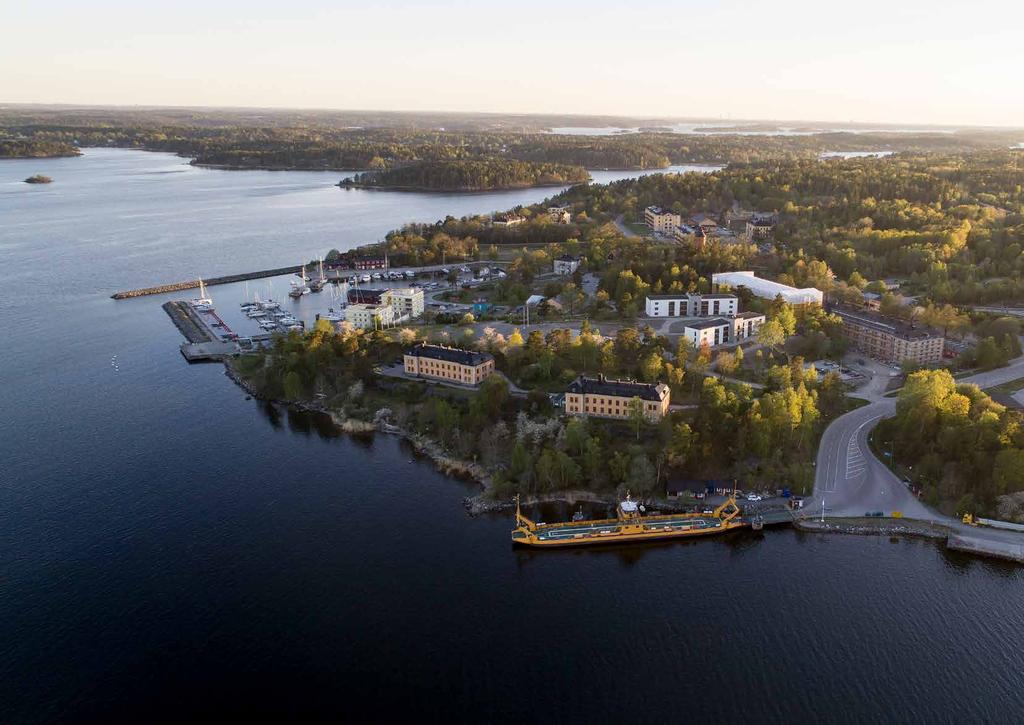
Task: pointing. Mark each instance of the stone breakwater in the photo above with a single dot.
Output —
(194, 284)
(873, 527)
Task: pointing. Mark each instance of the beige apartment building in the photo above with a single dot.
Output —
(605, 398)
(465, 367)
(661, 220)
(889, 339)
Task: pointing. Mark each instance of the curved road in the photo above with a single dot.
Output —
(851, 481)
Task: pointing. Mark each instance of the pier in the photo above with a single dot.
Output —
(1009, 550)
(209, 338)
(194, 284)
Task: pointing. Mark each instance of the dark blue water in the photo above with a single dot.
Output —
(169, 549)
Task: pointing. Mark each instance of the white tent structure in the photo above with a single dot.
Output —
(768, 289)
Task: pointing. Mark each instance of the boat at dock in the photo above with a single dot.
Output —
(630, 525)
(202, 302)
(299, 286)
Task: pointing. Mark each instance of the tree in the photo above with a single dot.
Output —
(467, 319)
(679, 445)
(642, 475)
(636, 414)
(515, 339)
(407, 336)
(651, 367)
(684, 350)
(494, 393)
(771, 334)
(570, 296)
(726, 363)
(576, 436)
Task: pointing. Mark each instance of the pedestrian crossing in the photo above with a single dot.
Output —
(855, 463)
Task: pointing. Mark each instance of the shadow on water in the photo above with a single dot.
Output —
(738, 542)
(964, 563)
(272, 413)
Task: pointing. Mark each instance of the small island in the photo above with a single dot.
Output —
(469, 175)
(39, 179)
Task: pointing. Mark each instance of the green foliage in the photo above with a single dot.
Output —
(965, 449)
(471, 175)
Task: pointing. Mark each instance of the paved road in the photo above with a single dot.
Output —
(851, 481)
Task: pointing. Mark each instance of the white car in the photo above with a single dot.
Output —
(753, 497)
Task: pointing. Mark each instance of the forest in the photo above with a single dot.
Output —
(964, 449)
(35, 148)
(366, 141)
(470, 175)
(950, 226)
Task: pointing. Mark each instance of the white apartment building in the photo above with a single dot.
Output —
(692, 305)
(370, 316)
(745, 325)
(661, 220)
(566, 264)
(713, 332)
(407, 303)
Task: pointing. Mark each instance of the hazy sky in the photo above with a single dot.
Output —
(892, 61)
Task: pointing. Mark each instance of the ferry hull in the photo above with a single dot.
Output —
(626, 537)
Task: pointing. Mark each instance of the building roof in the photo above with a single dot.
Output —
(767, 288)
(568, 258)
(619, 388)
(358, 295)
(658, 210)
(707, 324)
(450, 354)
(882, 323)
(749, 315)
(406, 291)
(680, 296)
(718, 296)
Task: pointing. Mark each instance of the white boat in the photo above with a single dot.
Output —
(333, 316)
(202, 302)
(365, 278)
(410, 275)
(299, 286)
(377, 275)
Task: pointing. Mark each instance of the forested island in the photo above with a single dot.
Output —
(38, 179)
(384, 142)
(35, 148)
(470, 175)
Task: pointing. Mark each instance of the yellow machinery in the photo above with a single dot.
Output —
(629, 525)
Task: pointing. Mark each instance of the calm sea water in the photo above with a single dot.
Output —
(170, 549)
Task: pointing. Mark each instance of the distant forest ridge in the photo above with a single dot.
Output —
(436, 151)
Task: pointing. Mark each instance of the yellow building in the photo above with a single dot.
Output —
(605, 398)
(663, 221)
(889, 339)
(465, 367)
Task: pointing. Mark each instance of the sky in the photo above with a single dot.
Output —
(898, 61)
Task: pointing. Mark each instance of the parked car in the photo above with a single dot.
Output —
(753, 497)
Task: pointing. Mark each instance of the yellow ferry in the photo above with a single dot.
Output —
(630, 525)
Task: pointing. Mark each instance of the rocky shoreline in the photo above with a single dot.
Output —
(873, 527)
(421, 444)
